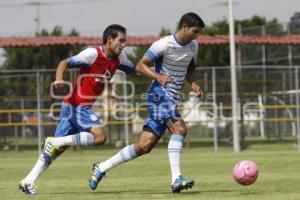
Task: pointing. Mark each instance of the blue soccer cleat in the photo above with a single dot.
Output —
(27, 188)
(182, 183)
(97, 175)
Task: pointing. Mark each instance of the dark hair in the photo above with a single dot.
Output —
(190, 19)
(112, 31)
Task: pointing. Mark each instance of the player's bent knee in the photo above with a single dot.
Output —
(182, 130)
(142, 149)
(99, 139)
(99, 135)
(146, 149)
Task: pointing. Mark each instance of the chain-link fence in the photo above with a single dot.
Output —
(270, 54)
(268, 99)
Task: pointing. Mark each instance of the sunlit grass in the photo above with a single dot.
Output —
(149, 177)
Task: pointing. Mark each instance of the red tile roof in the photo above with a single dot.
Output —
(268, 39)
(146, 40)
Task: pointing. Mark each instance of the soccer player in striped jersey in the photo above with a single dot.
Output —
(174, 57)
(78, 124)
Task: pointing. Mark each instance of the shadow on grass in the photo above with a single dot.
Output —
(155, 191)
(137, 192)
(152, 192)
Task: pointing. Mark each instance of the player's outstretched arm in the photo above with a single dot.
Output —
(59, 81)
(143, 68)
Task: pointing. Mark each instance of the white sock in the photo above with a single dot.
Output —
(39, 167)
(126, 154)
(82, 138)
(174, 152)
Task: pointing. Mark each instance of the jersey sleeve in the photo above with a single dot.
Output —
(84, 58)
(157, 49)
(125, 64)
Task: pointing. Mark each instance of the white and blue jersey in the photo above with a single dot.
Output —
(172, 58)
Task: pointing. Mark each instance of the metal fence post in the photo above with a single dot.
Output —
(215, 108)
(235, 125)
(126, 110)
(39, 117)
(297, 106)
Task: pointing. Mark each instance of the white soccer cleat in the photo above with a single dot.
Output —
(27, 188)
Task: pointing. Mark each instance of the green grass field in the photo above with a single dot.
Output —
(149, 178)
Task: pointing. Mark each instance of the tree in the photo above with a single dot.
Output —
(135, 56)
(138, 52)
(216, 55)
(295, 20)
(34, 58)
(39, 57)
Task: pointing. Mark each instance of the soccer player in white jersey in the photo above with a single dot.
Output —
(174, 60)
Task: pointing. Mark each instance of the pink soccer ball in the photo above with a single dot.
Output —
(245, 172)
